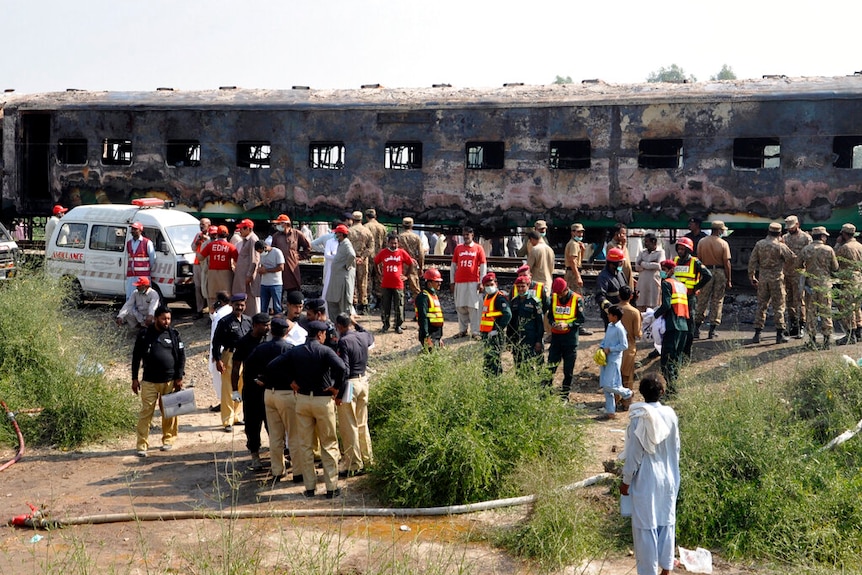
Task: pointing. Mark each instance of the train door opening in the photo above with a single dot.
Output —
(35, 190)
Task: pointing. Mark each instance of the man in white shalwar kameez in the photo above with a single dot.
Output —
(651, 478)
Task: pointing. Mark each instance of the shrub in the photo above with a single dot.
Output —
(754, 482)
(50, 359)
(445, 434)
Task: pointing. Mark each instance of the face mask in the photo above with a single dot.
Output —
(391, 249)
(490, 290)
(279, 228)
(577, 239)
(663, 274)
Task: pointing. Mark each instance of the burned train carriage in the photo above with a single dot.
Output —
(648, 154)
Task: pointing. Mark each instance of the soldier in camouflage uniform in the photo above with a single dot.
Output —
(849, 255)
(363, 243)
(818, 262)
(766, 272)
(410, 241)
(378, 231)
(795, 239)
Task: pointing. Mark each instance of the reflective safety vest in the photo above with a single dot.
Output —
(678, 298)
(489, 313)
(687, 274)
(139, 261)
(435, 312)
(535, 291)
(564, 313)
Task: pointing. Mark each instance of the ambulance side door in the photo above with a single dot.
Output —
(106, 260)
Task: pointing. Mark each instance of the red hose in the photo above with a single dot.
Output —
(20, 453)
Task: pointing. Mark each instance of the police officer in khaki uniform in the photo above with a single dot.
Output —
(363, 243)
(378, 232)
(795, 239)
(849, 255)
(818, 262)
(410, 241)
(766, 272)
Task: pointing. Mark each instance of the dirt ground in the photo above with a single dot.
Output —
(202, 472)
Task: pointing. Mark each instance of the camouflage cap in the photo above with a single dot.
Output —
(819, 231)
(577, 227)
(775, 227)
(848, 229)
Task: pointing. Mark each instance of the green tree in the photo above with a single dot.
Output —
(563, 80)
(726, 73)
(672, 74)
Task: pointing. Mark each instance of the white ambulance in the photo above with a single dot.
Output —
(88, 248)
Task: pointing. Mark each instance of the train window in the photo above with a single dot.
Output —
(570, 155)
(72, 151)
(848, 152)
(116, 152)
(254, 155)
(108, 238)
(182, 153)
(485, 155)
(403, 156)
(326, 155)
(660, 154)
(755, 153)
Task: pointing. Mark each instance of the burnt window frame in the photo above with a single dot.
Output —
(183, 153)
(68, 147)
(316, 159)
(250, 154)
(751, 154)
(655, 153)
(413, 150)
(843, 148)
(485, 155)
(121, 152)
(569, 154)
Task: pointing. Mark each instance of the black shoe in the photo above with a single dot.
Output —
(215, 408)
(297, 478)
(333, 494)
(240, 423)
(308, 493)
(350, 473)
(653, 354)
(584, 331)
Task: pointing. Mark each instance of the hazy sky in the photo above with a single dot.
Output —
(49, 45)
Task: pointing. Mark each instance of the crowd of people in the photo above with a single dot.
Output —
(279, 362)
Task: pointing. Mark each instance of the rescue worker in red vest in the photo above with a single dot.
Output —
(566, 315)
(675, 310)
(496, 314)
(429, 313)
(141, 257)
(694, 275)
(529, 303)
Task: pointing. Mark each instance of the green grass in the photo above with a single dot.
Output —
(755, 484)
(50, 358)
(446, 435)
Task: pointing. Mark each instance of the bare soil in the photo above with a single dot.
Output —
(208, 471)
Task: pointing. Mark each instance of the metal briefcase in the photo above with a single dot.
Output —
(179, 402)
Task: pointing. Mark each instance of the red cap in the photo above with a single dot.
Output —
(667, 264)
(559, 286)
(616, 255)
(490, 276)
(524, 269)
(58, 209)
(432, 275)
(246, 223)
(281, 219)
(212, 231)
(222, 230)
(522, 279)
(137, 226)
(342, 229)
(142, 281)
(686, 242)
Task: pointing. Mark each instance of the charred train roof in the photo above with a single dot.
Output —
(585, 94)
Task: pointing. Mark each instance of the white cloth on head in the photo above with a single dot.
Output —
(652, 430)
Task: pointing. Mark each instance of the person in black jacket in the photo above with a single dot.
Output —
(160, 350)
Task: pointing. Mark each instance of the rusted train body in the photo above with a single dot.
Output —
(650, 155)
